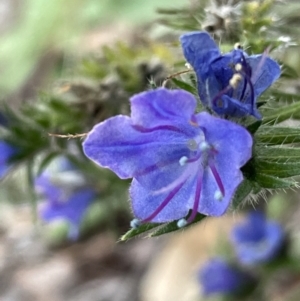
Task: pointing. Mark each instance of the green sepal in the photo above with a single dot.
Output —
(270, 135)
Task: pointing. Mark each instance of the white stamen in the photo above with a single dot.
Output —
(135, 223)
(181, 223)
(204, 146)
(238, 46)
(183, 160)
(235, 80)
(218, 195)
(188, 66)
(238, 67)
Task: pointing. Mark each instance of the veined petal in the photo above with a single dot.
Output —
(233, 145)
(265, 72)
(198, 47)
(115, 144)
(162, 107)
(200, 51)
(232, 141)
(145, 202)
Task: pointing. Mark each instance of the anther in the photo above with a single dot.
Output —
(235, 80)
(218, 195)
(183, 160)
(188, 66)
(182, 223)
(238, 67)
(135, 223)
(238, 46)
(204, 146)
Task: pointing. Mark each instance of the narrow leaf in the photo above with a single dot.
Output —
(171, 227)
(266, 181)
(140, 230)
(280, 114)
(277, 135)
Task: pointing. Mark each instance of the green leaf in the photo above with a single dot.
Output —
(280, 170)
(277, 135)
(243, 190)
(288, 72)
(277, 154)
(280, 114)
(266, 181)
(140, 230)
(185, 86)
(171, 227)
(47, 160)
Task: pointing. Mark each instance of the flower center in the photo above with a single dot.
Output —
(201, 156)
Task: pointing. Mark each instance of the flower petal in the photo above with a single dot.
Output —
(233, 144)
(145, 202)
(152, 157)
(265, 72)
(162, 107)
(71, 209)
(200, 51)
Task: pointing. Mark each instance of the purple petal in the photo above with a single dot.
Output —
(218, 277)
(265, 72)
(7, 152)
(71, 209)
(50, 191)
(152, 157)
(200, 51)
(198, 47)
(145, 202)
(234, 148)
(162, 107)
(257, 240)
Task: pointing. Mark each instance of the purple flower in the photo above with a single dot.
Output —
(179, 161)
(7, 152)
(257, 240)
(218, 277)
(229, 84)
(64, 201)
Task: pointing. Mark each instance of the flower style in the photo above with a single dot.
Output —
(229, 84)
(7, 152)
(257, 240)
(219, 277)
(178, 160)
(64, 202)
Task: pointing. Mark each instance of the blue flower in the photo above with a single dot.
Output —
(179, 161)
(257, 240)
(7, 152)
(219, 277)
(229, 84)
(64, 200)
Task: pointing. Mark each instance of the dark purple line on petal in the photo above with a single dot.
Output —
(197, 200)
(172, 128)
(164, 203)
(154, 167)
(217, 178)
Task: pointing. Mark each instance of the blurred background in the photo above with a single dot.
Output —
(67, 65)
